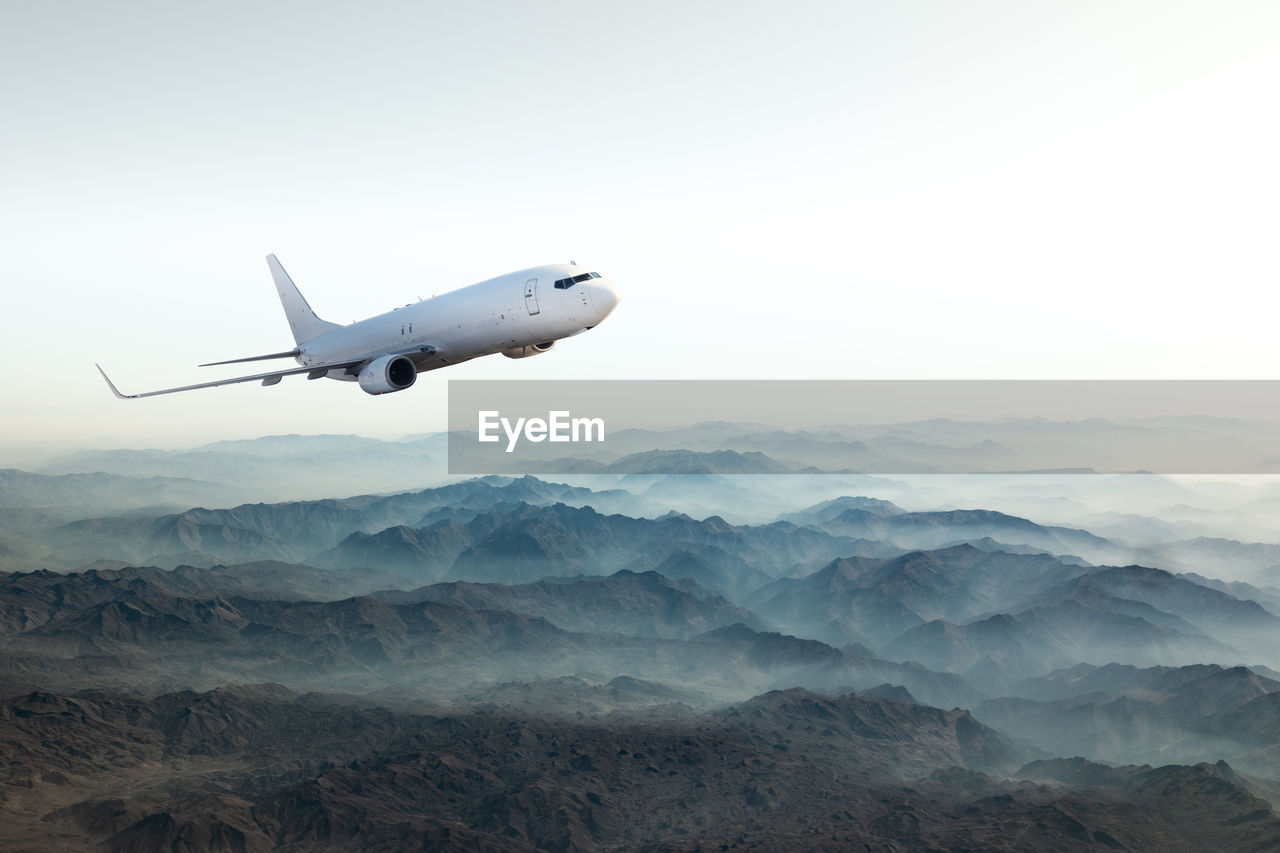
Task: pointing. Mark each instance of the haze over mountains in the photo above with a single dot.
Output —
(1166, 444)
(517, 663)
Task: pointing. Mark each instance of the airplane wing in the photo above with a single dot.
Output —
(315, 372)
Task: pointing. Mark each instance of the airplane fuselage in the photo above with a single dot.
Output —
(504, 314)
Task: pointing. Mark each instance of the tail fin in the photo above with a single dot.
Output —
(302, 320)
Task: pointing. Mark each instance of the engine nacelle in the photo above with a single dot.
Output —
(388, 373)
(525, 352)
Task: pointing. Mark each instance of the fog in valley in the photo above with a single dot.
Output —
(303, 642)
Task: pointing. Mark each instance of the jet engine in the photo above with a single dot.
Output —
(388, 373)
(525, 352)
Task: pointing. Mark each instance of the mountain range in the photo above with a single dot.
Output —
(514, 664)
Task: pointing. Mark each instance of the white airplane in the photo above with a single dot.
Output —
(519, 314)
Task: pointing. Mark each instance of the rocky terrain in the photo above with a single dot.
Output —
(261, 768)
(512, 664)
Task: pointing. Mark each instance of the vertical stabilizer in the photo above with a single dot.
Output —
(302, 320)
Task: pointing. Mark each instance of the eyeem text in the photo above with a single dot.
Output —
(558, 426)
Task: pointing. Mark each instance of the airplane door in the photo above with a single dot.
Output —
(531, 296)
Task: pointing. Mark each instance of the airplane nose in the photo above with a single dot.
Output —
(605, 296)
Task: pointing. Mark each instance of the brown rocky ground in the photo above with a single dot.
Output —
(262, 768)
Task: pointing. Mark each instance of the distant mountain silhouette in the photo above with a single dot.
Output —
(677, 462)
(529, 542)
(76, 495)
(926, 530)
(276, 467)
(297, 530)
(826, 511)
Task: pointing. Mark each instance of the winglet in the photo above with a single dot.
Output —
(112, 385)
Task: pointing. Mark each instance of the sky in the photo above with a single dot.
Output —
(862, 190)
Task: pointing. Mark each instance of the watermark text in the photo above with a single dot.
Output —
(557, 426)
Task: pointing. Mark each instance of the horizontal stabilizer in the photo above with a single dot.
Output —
(293, 353)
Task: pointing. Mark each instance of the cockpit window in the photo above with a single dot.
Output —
(566, 283)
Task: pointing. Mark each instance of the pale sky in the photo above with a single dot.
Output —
(801, 190)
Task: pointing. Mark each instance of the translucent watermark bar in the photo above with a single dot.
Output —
(864, 426)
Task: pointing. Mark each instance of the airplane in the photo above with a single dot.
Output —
(520, 314)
